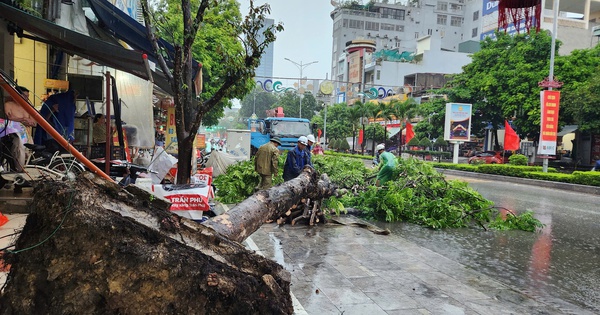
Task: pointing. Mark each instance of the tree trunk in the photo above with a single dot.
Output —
(247, 217)
(95, 248)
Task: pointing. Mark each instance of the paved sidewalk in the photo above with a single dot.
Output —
(349, 270)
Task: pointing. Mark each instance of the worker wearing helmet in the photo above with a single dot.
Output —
(310, 141)
(296, 159)
(386, 166)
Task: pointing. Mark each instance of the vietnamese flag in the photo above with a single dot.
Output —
(511, 139)
(360, 137)
(409, 132)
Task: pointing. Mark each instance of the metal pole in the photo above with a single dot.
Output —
(300, 87)
(555, 8)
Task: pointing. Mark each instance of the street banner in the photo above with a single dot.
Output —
(457, 126)
(170, 134)
(550, 101)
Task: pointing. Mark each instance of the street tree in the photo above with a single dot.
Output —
(290, 101)
(403, 111)
(433, 113)
(337, 118)
(258, 101)
(229, 48)
(579, 96)
(502, 81)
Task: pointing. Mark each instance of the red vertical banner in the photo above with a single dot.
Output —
(549, 123)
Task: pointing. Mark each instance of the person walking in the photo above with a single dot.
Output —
(296, 159)
(387, 164)
(266, 163)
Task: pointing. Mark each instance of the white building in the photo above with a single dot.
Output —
(430, 38)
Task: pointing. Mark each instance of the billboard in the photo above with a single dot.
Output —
(549, 124)
(457, 126)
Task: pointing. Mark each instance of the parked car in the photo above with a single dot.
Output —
(488, 157)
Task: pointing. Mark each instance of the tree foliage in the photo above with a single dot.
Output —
(290, 101)
(258, 101)
(502, 81)
(228, 46)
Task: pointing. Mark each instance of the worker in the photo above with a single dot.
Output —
(387, 165)
(310, 140)
(99, 132)
(266, 163)
(296, 159)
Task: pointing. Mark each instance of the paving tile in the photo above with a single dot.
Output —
(346, 295)
(392, 300)
(362, 309)
(371, 284)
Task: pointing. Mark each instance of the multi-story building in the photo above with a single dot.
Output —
(265, 69)
(430, 38)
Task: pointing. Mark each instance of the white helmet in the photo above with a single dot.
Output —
(303, 140)
(380, 147)
(311, 138)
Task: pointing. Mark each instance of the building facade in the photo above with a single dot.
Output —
(265, 69)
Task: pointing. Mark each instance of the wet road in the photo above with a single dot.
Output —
(559, 265)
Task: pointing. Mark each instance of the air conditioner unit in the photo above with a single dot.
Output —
(396, 37)
(385, 36)
(368, 34)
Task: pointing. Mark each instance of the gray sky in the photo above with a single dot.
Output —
(306, 38)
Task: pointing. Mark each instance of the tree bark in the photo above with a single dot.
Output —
(95, 248)
(244, 219)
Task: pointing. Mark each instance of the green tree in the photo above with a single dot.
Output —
(579, 95)
(374, 131)
(433, 114)
(425, 143)
(440, 142)
(402, 111)
(502, 81)
(258, 101)
(211, 36)
(290, 101)
(355, 112)
(337, 121)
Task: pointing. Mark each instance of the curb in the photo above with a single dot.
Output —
(593, 190)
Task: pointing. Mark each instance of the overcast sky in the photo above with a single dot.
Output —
(306, 38)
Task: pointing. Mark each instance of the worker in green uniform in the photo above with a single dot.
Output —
(387, 164)
(266, 163)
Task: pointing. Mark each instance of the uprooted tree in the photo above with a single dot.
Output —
(231, 50)
(95, 248)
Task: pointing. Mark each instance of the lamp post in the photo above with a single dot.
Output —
(300, 66)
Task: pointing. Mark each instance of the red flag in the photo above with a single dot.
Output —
(360, 137)
(511, 139)
(409, 132)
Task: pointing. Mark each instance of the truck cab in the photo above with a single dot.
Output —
(287, 129)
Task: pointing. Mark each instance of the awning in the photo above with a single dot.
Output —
(566, 130)
(74, 43)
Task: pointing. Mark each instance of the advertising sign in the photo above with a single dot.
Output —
(189, 200)
(200, 141)
(549, 124)
(354, 68)
(170, 134)
(457, 126)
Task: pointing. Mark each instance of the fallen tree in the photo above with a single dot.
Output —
(95, 248)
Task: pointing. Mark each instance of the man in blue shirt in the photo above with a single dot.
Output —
(296, 159)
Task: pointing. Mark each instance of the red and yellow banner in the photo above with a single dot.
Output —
(549, 122)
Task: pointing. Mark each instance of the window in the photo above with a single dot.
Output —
(389, 13)
(442, 6)
(345, 23)
(356, 24)
(378, 74)
(387, 27)
(455, 7)
(371, 26)
(474, 32)
(442, 19)
(456, 21)
(416, 34)
(475, 15)
(401, 15)
(399, 28)
(429, 32)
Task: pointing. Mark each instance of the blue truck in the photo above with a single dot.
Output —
(285, 128)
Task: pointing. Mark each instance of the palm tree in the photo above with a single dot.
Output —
(355, 111)
(402, 111)
(384, 111)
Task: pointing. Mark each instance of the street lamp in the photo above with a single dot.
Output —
(300, 66)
